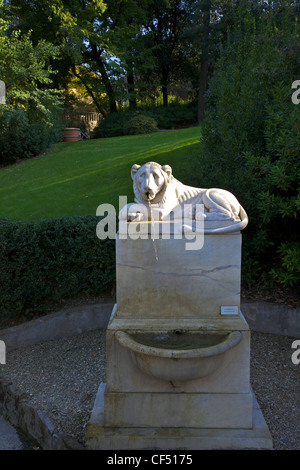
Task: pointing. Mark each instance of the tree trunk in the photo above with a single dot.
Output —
(106, 82)
(164, 87)
(132, 98)
(130, 86)
(90, 92)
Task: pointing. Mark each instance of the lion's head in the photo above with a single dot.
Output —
(150, 182)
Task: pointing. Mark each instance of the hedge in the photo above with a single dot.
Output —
(172, 116)
(45, 262)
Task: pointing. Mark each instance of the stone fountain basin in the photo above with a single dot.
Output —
(179, 356)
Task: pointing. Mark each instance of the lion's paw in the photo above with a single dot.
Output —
(132, 212)
(135, 216)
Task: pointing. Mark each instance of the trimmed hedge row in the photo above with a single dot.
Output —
(44, 262)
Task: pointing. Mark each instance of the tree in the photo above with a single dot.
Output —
(210, 20)
(75, 26)
(122, 48)
(25, 72)
(164, 36)
(31, 118)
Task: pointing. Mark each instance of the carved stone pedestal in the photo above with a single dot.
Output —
(162, 398)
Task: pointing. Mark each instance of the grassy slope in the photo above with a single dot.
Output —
(74, 178)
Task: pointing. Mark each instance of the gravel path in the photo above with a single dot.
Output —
(61, 378)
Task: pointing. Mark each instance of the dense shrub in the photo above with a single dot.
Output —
(251, 144)
(44, 262)
(25, 134)
(174, 115)
(140, 124)
(112, 125)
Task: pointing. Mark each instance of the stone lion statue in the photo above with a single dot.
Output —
(158, 193)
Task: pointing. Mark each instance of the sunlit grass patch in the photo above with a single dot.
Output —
(73, 178)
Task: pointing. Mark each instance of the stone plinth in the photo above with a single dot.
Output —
(160, 278)
(187, 438)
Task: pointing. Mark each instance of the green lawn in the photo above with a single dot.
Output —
(73, 178)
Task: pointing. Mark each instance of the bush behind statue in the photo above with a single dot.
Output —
(251, 145)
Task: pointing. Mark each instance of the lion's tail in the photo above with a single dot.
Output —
(235, 227)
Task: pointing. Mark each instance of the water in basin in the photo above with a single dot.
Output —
(178, 340)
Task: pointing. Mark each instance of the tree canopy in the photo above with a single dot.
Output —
(126, 50)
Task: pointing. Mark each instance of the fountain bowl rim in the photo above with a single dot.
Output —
(231, 340)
